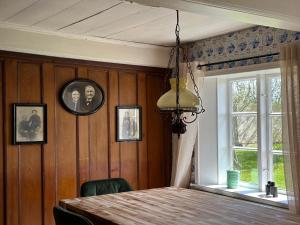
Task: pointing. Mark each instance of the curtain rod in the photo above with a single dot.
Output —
(235, 60)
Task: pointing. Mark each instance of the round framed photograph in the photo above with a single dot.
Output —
(82, 96)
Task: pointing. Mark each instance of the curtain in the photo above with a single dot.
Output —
(290, 78)
(183, 147)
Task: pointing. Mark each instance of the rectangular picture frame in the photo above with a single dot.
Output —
(29, 124)
(128, 123)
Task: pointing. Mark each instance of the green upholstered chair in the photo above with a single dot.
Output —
(65, 217)
(102, 187)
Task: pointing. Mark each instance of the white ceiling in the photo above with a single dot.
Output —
(113, 19)
(272, 13)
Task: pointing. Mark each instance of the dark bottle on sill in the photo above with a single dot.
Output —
(271, 189)
(274, 191)
(268, 191)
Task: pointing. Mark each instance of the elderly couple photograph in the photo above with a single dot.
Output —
(82, 97)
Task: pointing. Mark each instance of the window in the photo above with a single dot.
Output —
(243, 119)
(255, 129)
(275, 133)
(241, 129)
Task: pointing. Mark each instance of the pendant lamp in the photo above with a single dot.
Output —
(179, 99)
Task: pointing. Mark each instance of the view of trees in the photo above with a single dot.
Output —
(276, 108)
(244, 129)
(243, 101)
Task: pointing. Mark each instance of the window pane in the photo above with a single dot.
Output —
(276, 133)
(246, 162)
(244, 96)
(278, 170)
(276, 94)
(244, 131)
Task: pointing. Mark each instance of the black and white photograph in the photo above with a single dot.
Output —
(30, 123)
(129, 123)
(82, 96)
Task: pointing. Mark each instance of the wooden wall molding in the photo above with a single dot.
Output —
(78, 62)
(2, 152)
(80, 148)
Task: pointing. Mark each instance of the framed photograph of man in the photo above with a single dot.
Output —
(82, 96)
(129, 123)
(30, 123)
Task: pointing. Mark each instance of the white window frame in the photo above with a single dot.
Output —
(271, 114)
(230, 116)
(264, 129)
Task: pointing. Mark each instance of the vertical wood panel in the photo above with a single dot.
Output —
(49, 156)
(128, 150)
(156, 148)
(142, 145)
(79, 148)
(99, 132)
(65, 139)
(2, 196)
(83, 138)
(11, 151)
(113, 101)
(30, 155)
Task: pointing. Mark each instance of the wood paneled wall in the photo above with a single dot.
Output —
(35, 177)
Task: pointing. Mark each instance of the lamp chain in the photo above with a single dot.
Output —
(189, 67)
(179, 121)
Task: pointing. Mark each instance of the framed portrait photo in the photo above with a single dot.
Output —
(29, 123)
(82, 96)
(129, 123)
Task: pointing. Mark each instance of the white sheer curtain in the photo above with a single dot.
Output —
(183, 147)
(290, 76)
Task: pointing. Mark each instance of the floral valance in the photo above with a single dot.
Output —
(252, 42)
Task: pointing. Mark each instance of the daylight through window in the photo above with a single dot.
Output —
(256, 129)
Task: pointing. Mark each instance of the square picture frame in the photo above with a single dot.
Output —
(128, 123)
(29, 124)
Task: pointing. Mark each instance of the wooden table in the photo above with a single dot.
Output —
(175, 206)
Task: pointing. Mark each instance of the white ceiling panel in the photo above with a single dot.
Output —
(40, 10)
(192, 27)
(113, 19)
(131, 21)
(77, 12)
(163, 26)
(283, 14)
(9, 8)
(113, 14)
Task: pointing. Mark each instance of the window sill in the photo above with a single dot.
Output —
(245, 194)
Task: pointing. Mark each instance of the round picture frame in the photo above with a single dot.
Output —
(82, 97)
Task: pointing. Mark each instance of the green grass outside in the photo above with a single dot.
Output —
(278, 171)
(246, 162)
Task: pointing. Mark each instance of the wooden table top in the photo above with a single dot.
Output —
(176, 206)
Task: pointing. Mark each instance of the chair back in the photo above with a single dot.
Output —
(101, 187)
(65, 217)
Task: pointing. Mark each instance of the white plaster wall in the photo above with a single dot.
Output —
(83, 48)
(208, 135)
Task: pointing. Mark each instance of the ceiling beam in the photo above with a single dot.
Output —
(273, 13)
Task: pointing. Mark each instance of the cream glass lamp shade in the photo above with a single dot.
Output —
(187, 100)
